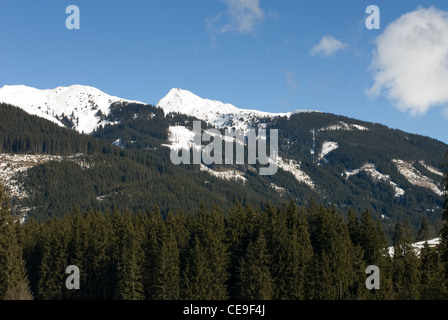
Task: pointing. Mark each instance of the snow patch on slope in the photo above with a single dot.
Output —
(415, 177)
(82, 105)
(222, 115)
(327, 147)
(294, 168)
(277, 188)
(180, 137)
(418, 246)
(230, 175)
(376, 176)
(343, 126)
(430, 168)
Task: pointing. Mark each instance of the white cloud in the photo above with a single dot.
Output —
(328, 46)
(242, 16)
(411, 61)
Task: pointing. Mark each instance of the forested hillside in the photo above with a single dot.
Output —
(104, 176)
(287, 252)
(126, 164)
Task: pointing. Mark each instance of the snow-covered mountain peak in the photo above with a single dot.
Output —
(186, 102)
(82, 105)
(215, 112)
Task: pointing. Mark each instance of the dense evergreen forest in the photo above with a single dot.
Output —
(285, 252)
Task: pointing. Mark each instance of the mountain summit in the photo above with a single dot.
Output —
(214, 112)
(79, 107)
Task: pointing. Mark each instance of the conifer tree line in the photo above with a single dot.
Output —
(275, 253)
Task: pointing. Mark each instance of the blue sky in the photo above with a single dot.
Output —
(251, 53)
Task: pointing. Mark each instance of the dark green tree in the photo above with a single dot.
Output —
(254, 275)
(167, 284)
(56, 237)
(292, 255)
(353, 227)
(406, 275)
(197, 277)
(130, 264)
(373, 243)
(212, 235)
(423, 231)
(431, 271)
(155, 232)
(13, 278)
(242, 228)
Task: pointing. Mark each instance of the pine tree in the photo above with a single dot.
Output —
(406, 276)
(155, 232)
(423, 231)
(97, 256)
(13, 279)
(323, 286)
(197, 277)
(368, 239)
(56, 237)
(353, 227)
(76, 251)
(431, 288)
(278, 241)
(130, 264)
(335, 274)
(167, 284)
(384, 261)
(212, 235)
(32, 251)
(291, 253)
(373, 243)
(242, 223)
(176, 225)
(254, 275)
(306, 255)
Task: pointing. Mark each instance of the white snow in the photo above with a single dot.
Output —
(351, 173)
(293, 167)
(418, 246)
(327, 147)
(415, 177)
(277, 188)
(376, 176)
(80, 104)
(117, 142)
(231, 175)
(431, 169)
(180, 137)
(343, 126)
(359, 127)
(217, 113)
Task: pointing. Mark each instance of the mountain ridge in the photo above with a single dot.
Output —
(78, 105)
(214, 112)
(64, 102)
(335, 159)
